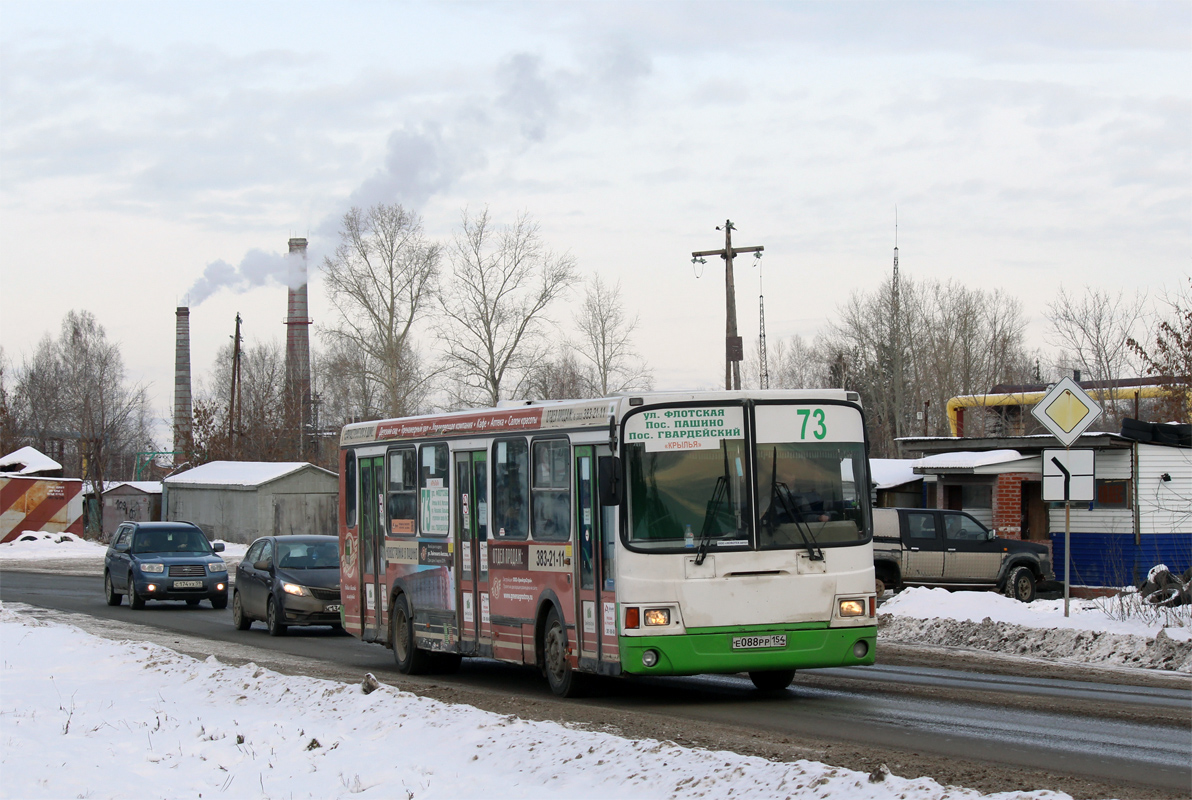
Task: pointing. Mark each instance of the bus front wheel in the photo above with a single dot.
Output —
(564, 681)
(774, 680)
(410, 660)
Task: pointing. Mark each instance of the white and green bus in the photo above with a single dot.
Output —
(643, 534)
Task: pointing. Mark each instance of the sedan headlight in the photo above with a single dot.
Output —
(852, 608)
(156, 568)
(217, 566)
(293, 588)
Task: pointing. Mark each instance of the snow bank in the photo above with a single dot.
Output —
(46, 545)
(1120, 631)
(86, 717)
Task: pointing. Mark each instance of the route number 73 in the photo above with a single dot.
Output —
(820, 430)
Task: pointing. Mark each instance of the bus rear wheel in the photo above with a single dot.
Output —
(564, 681)
(772, 680)
(409, 659)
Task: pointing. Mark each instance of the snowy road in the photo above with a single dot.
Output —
(916, 716)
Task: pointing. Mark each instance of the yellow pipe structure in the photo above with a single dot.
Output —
(1032, 398)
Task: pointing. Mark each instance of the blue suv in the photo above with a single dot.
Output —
(164, 561)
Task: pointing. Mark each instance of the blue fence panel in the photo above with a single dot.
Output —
(1112, 559)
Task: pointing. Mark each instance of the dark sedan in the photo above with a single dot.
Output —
(288, 580)
(164, 561)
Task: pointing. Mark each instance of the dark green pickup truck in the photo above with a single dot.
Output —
(951, 549)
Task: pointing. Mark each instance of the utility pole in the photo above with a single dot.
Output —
(734, 348)
(233, 409)
(896, 337)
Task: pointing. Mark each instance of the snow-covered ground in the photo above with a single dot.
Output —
(50, 547)
(1119, 631)
(86, 717)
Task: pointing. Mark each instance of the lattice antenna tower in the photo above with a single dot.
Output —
(761, 318)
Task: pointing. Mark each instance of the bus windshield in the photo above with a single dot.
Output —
(679, 498)
(812, 484)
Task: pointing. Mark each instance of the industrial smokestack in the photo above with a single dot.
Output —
(182, 398)
(298, 350)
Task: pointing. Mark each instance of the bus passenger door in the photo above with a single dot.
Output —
(372, 546)
(591, 594)
(471, 535)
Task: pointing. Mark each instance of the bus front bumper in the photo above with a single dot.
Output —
(712, 651)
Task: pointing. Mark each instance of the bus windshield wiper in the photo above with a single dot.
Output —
(718, 495)
(779, 491)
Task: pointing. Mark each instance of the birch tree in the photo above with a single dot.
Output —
(606, 340)
(380, 281)
(503, 281)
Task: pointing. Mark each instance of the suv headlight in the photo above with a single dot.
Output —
(156, 568)
(217, 566)
(293, 588)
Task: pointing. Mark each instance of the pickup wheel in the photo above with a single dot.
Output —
(1020, 585)
(879, 587)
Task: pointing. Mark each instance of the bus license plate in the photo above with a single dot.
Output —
(753, 642)
(188, 584)
(332, 609)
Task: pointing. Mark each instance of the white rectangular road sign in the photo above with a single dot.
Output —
(1079, 465)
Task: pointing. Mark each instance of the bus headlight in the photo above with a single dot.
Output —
(657, 616)
(861, 648)
(852, 608)
(649, 658)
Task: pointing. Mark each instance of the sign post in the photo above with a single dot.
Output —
(1067, 412)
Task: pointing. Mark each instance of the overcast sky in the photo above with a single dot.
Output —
(150, 152)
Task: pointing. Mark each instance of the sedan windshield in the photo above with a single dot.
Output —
(190, 542)
(302, 555)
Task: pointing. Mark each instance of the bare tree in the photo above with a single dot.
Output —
(1169, 357)
(74, 390)
(380, 280)
(606, 340)
(1092, 331)
(503, 281)
(261, 408)
(793, 364)
(561, 377)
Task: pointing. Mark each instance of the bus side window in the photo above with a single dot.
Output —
(350, 488)
(403, 492)
(510, 468)
(552, 490)
(435, 497)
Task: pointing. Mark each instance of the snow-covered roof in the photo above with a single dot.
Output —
(240, 473)
(27, 461)
(890, 472)
(148, 487)
(965, 460)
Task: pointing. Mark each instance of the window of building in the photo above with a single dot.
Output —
(552, 490)
(511, 488)
(976, 496)
(1113, 494)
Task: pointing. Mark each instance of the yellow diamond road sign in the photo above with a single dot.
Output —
(1066, 411)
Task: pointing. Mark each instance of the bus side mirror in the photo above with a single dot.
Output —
(608, 474)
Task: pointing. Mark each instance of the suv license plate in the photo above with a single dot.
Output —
(332, 609)
(753, 642)
(188, 584)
